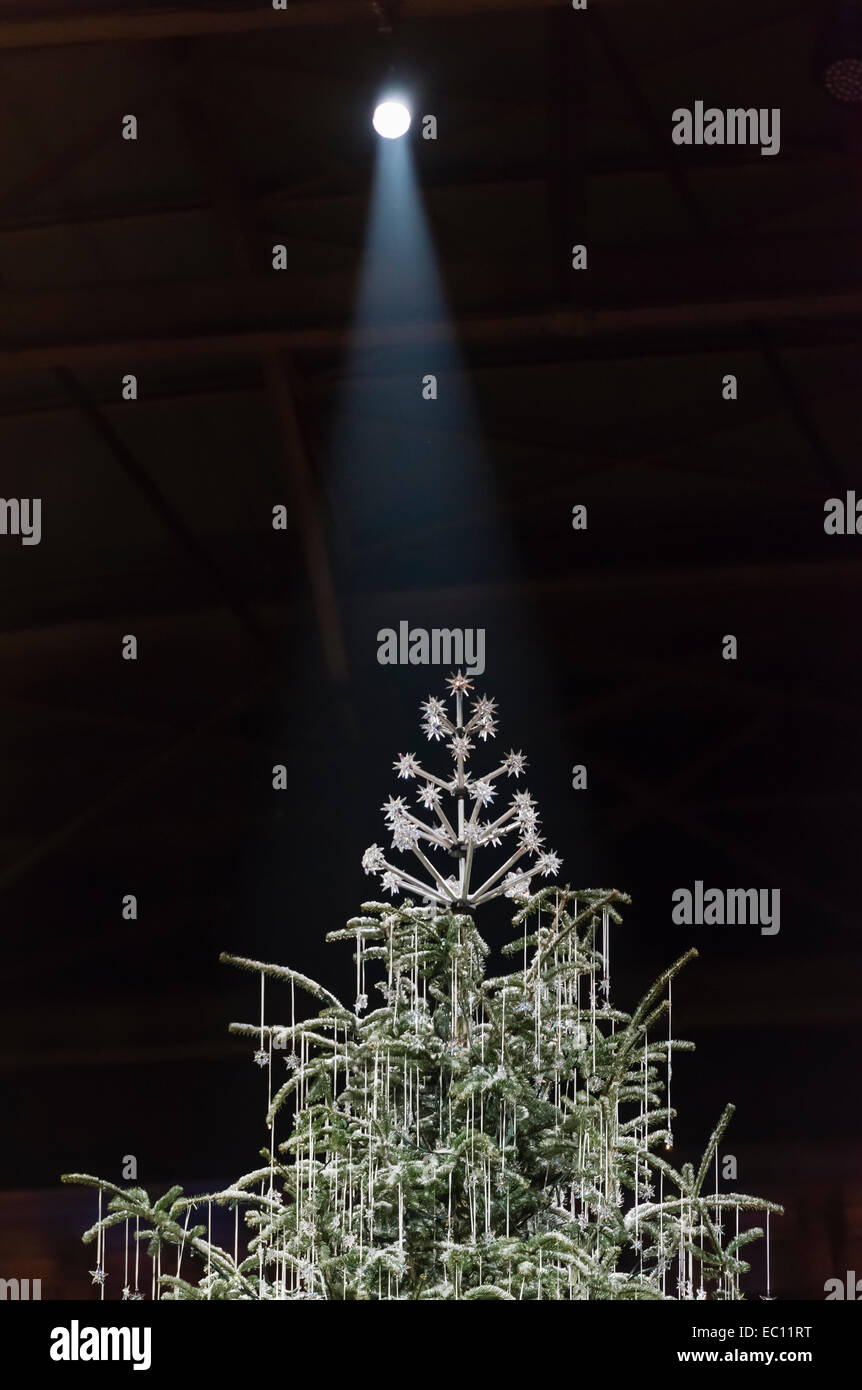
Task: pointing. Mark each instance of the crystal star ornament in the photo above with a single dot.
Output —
(373, 859)
(454, 802)
(459, 685)
(98, 1275)
(514, 763)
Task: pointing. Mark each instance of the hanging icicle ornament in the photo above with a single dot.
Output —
(261, 1057)
(98, 1275)
(459, 830)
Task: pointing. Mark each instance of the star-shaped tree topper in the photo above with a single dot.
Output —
(455, 825)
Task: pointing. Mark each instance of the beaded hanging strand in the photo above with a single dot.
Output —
(262, 1057)
(98, 1275)
(183, 1241)
(669, 1144)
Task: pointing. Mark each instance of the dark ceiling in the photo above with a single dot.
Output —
(258, 647)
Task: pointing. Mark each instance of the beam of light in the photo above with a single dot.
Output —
(409, 475)
(419, 524)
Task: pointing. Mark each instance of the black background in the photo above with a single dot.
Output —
(603, 647)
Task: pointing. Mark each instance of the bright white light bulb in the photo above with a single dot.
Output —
(391, 119)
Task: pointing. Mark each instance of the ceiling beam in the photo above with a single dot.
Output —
(832, 392)
(519, 183)
(349, 186)
(134, 26)
(545, 325)
(34, 645)
(586, 592)
(620, 276)
(829, 391)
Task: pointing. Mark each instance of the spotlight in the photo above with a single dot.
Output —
(391, 119)
(840, 58)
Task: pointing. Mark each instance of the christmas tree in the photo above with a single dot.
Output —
(473, 1136)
